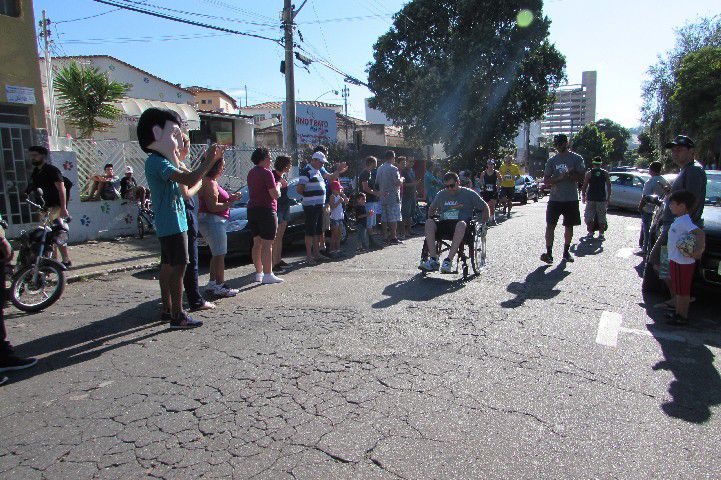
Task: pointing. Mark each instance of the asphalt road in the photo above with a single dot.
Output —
(363, 369)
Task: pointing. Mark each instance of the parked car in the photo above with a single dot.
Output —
(624, 169)
(708, 272)
(526, 189)
(627, 189)
(543, 189)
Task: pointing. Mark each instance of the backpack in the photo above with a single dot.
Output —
(68, 185)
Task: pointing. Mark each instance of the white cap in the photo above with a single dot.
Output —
(128, 169)
(320, 156)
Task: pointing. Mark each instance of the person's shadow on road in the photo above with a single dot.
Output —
(587, 247)
(539, 285)
(419, 288)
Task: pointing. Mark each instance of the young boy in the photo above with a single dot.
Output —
(683, 253)
(337, 200)
(361, 216)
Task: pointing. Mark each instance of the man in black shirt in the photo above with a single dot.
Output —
(367, 182)
(50, 180)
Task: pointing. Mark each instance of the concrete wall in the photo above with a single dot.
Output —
(214, 102)
(376, 116)
(18, 57)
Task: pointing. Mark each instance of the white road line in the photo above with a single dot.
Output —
(625, 252)
(608, 328)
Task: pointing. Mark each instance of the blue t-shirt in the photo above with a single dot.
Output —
(168, 205)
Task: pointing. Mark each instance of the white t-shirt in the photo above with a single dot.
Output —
(679, 228)
(337, 212)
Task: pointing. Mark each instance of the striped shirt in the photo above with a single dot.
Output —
(314, 193)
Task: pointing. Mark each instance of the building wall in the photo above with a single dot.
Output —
(212, 101)
(376, 116)
(575, 106)
(244, 133)
(18, 57)
(267, 113)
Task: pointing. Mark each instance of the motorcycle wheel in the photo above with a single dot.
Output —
(33, 298)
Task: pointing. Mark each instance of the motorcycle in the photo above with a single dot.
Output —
(38, 280)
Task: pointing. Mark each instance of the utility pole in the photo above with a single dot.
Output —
(289, 14)
(246, 96)
(52, 120)
(346, 94)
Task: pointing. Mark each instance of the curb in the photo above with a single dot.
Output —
(102, 273)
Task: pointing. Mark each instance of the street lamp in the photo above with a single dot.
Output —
(334, 92)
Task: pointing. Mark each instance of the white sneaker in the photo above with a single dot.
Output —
(258, 277)
(430, 265)
(447, 266)
(224, 292)
(270, 278)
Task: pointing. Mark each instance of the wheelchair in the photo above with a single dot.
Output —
(471, 251)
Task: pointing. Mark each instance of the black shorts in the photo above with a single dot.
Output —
(570, 211)
(488, 196)
(508, 192)
(263, 222)
(174, 249)
(313, 220)
(445, 229)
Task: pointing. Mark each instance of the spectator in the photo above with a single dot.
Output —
(322, 248)
(129, 189)
(213, 213)
(337, 215)
(367, 181)
(8, 360)
(311, 185)
(196, 302)
(409, 194)
(362, 212)
(431, 183)
(389, 183)
(281, 169)
(263, 193)
(55, 191)
(656, 185)
(105, 186)
(159, 135)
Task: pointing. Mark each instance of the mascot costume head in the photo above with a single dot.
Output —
(159, 132)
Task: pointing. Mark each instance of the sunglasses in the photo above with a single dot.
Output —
(450, 185)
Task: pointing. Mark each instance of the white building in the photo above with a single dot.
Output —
(575, 106)
(274, 110)
(376, 116)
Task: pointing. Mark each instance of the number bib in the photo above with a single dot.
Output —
(490, 188)
(450, 215)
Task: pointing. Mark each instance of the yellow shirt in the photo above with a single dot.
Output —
(509, 174)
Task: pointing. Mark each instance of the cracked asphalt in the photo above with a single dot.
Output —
(361, 368)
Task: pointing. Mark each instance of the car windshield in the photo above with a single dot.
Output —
(521, 181)
(713, 188)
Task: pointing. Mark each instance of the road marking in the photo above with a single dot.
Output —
(608, 328)
(625, 252)
(633, 228)
(710, 339)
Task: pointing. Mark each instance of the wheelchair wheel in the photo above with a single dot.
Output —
(478, 249)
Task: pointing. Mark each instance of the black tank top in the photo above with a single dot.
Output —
(597, 185)
(490, 180)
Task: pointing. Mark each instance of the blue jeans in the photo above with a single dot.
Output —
(362, 235)
(190, 279)
(645, 228)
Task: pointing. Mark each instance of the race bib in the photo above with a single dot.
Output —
(450, 215)
(562, 168)
(490, 188)
(508, 176)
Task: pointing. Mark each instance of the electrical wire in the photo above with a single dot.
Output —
(165, 38)
(215, 17)
(87, 18)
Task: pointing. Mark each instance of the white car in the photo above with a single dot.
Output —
(627, 189)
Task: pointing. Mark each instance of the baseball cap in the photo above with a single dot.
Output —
(681, 141)
(597, 161)
(335, 185)
(128, 169)
(320, 156)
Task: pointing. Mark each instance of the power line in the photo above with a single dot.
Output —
(164, 38)
(241, 10)
(345, 19)
(215, 17)
(87, 18)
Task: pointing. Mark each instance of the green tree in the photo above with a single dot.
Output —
(86, 98)
(620, 136)
(646, 148)
(698, 96)
(590, 142)
(465, 73)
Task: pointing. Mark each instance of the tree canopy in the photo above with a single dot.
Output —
(620, 136)
(590, 142)
(465, 72)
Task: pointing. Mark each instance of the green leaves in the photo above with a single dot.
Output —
(86, 96)
(590, 142)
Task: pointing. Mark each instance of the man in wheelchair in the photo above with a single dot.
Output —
(454, 206)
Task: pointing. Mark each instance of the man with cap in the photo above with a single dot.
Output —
(596, 193)
(563, 172)
(129, 189)
(312, 186)
(691, 177)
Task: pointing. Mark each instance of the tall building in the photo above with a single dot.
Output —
(575, 106)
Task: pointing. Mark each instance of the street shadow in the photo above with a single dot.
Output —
(617, 212)
(587, 247)
(539, 285)
(696, 386)
(419, 288)
(71, 347)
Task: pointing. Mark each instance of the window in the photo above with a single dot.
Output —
(637, 182)
(11, 8)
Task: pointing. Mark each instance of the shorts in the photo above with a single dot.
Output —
(263, 222)
(336, 223)
(174, 249)
(570, 211)
(326, 217)
(408, 204)
(313, 220)
(446, 228)
(596, 211)
(488, 196)
(212, 228)
(391, 212)
(373, 219)
(681, 277)
(508, 192)
(283, 214)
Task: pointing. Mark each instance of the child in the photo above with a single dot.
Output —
(361, 216)
(337, 200)
(682, 253)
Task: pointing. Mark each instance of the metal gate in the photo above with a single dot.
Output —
(15, 171)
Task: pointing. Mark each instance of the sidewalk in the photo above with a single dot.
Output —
(97, 258)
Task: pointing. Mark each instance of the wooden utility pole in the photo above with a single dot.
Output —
(291, 139)
(52, 119)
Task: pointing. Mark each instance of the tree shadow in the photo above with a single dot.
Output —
(539, 285)
(419, 288)
(696, 386)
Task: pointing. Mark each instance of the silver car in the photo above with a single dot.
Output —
(627, 189)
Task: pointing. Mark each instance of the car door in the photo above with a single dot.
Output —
(635, 191)
(531, 187)
(296, 223)
(620, 183)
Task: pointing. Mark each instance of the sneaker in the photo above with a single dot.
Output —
(678, 321)
(13, 362)
(395, 241)
(4, 380)
(270, 279)
(447, 266)
(67, 264)
(223, 291)
(568, 258)
(547, 258)
(258, 277)
(184, 322)
(430, 265)
(203, 306)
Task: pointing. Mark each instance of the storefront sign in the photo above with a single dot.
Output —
(16, 94)
(313, 125)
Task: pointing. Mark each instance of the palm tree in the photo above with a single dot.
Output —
(87, 98)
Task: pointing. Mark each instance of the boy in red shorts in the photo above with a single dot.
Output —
(686, 243)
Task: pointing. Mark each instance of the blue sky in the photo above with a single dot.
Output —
(618, 38)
